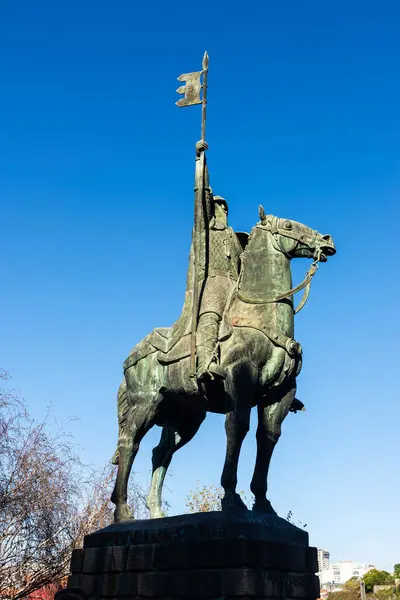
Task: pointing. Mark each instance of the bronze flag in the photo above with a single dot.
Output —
(191, 90)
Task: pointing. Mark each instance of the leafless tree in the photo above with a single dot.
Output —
(208, 498)
(48, 500)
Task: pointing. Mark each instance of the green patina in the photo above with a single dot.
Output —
(246, 348)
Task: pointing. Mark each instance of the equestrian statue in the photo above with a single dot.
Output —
(232, 348)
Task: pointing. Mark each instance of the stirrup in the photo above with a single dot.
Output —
(214, 371)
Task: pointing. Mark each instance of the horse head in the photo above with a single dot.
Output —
(265, 275)
(296, 240)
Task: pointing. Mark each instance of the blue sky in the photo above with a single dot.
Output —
(96, 180)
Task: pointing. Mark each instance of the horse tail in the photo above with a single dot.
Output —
(122, 408)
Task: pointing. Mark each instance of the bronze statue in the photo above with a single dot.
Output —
(232, 349)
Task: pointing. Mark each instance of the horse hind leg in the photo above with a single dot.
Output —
(135, 420)
(172, 439)
(270, 419)
(162, 456)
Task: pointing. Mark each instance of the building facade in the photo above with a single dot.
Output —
(339, 572)
(323, 559)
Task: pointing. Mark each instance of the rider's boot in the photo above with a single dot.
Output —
(206, 344)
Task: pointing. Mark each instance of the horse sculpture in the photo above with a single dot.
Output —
(261, 359)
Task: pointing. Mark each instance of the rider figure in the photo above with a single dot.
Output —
(220, 275)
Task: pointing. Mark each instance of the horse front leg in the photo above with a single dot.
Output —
(237, 425)
(270, 419)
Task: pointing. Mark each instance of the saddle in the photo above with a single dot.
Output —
(162, 341)
(173, 343)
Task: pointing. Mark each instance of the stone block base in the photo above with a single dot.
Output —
(191, 557)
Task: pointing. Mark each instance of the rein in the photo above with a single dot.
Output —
(305, 284)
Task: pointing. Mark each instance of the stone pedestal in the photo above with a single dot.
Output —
(205, 555)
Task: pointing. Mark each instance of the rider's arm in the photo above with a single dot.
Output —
(202, 146)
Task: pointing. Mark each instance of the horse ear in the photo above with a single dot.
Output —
(261, 213)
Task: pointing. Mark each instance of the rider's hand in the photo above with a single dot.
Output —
(201, 146)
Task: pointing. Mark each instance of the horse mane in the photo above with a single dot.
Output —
(255, 274)
(250, 239)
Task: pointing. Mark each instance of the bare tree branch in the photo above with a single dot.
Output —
(48, 500)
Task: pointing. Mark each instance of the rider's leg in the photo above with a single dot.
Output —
(212, 306)
(206, 345)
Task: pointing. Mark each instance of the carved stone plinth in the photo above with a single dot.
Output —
(206, 555)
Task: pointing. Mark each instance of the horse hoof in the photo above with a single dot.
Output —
(157, 514)
(264, 507)
(122, 513)
(233, 502)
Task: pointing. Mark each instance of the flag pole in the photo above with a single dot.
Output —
(198, 210)
(204, 100)
(191, 93)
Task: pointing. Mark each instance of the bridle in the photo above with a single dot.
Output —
(305, 284)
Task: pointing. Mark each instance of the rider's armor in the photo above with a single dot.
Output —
(222, 271)
(219, 250)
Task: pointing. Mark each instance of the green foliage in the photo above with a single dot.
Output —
(389, 594)
(396, 571)
(375, 577)
(352, 584)
(350, 591)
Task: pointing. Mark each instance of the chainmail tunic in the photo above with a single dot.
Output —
(223, 268)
